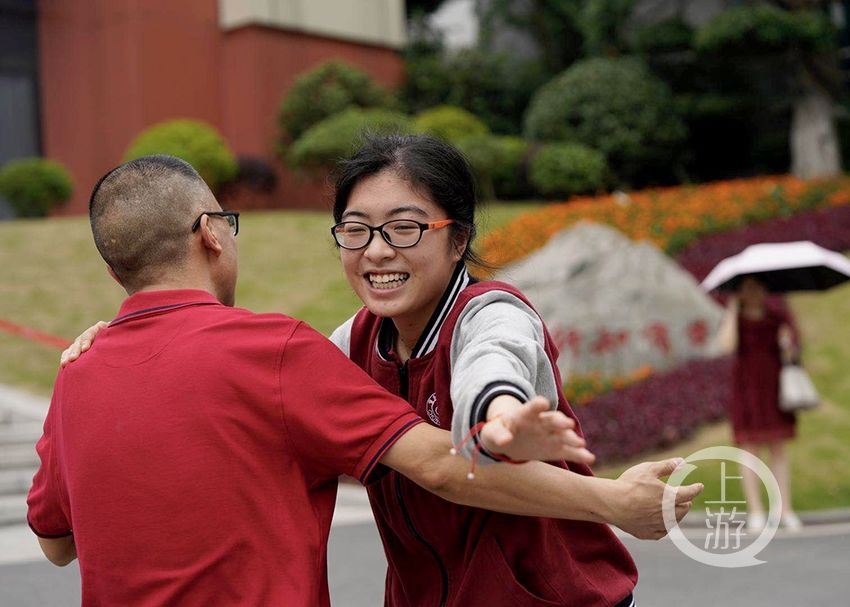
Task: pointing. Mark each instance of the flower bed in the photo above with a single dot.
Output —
(672, 218)
(581, 389)
(828, 227)
(657, 412)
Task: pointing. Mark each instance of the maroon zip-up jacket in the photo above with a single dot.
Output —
(442, 554)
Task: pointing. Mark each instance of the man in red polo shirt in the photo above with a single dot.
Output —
(191, 457)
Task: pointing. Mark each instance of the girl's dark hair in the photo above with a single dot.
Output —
(430, 165)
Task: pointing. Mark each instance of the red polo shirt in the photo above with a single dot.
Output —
(194, 452)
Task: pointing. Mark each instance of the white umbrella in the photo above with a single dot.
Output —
(782, 267)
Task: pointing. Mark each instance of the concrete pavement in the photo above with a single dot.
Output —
(811, 568)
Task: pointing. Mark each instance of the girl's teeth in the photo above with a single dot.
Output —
(387, 281)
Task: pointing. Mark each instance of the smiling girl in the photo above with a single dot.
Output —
(460, 352)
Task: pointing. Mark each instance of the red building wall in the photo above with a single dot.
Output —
(110, 69)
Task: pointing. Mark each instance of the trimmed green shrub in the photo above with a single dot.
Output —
(33, 186)
(326, 90)
(763, 28)
(449, 123)
(499, 164)
(337, 136)
(196, 142)
(615, 106)
(564, 169)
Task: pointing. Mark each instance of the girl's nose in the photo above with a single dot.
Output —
(378, 248)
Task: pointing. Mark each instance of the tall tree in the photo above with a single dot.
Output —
(795, 38)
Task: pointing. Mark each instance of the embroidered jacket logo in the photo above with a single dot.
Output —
(431, 409)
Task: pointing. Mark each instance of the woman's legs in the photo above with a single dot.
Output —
(781, 470)
(779, 467)
(751, 483)
(756, 517)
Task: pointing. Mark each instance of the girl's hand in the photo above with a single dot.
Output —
(532, 431)
(81, 344)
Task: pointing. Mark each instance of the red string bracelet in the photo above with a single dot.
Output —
(473, 432)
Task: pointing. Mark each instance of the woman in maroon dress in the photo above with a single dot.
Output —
(762, 337)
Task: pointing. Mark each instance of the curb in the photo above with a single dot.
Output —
(809, 517)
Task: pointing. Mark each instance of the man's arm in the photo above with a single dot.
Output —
(59, 551)
(632, 502)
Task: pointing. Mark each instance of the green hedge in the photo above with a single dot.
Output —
(33, 186)
(499, 164)
(337, 136)
(449, 123)
(326, 90)
(564, 169)
(196, 142)
(616, 106)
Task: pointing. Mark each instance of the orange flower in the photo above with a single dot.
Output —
(657, 214)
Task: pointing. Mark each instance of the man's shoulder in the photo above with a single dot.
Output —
(271, 325)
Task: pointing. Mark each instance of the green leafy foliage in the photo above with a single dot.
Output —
(33, 186)
(449, 123)
(615, 106)
(499, 164)
(326, 90)
(196, 142)
(496, 87)
(764, 28)
(601, 23)
(556, 26)
(669, 35)
(564, 169)
(337, 136)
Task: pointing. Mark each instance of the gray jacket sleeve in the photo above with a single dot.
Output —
(497, 348)
(341, 337)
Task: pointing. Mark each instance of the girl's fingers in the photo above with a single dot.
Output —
(578, 456)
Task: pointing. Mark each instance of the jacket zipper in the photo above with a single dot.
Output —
(444, 593)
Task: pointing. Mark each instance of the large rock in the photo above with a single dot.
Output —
(614, 305)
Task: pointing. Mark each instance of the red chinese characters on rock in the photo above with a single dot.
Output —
(659, 335)
(609, 341)
(606, 341)
(698, 333)
(568, 339)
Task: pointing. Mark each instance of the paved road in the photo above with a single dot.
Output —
(811, 569)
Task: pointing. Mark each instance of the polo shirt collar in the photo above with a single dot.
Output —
(145, 303)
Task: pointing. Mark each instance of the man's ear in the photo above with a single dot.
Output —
(114, 275)
(208, 237)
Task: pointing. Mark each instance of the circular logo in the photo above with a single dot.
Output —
(746, 557)
(431, 409)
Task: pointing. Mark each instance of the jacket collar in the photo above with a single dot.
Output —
(385, 343)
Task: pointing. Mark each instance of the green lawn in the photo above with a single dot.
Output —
(54, 281)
